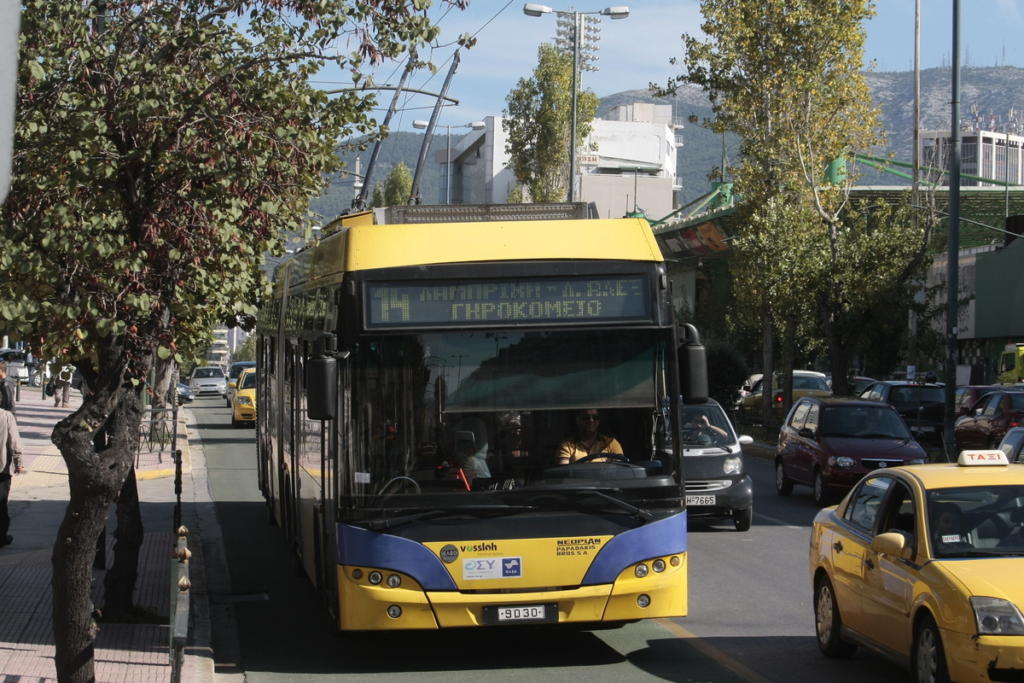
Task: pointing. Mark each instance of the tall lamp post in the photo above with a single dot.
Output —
(475, 125)
(571, 29)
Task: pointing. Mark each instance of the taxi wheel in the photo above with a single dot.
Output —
(742, 518)
(783, 485)
(827, 624)
(929, 658)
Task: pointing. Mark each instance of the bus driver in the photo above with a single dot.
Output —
(588, 440)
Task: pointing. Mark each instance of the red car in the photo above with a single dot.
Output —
(829, 444)
(988, 420)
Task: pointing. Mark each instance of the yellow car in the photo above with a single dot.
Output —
(805, 383)
(243, 402)
(925, 564)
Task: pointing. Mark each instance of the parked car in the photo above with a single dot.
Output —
(857, 384)
(243, 405)
(748, 385)
(923, 564)
(184, 393)
(716, 483)
(805, 383)
(967, 395)
(208, 379)
(988, 420)
(830, 443)
(1012, 445)
(17, 368)
(921, 404)
(234, 370)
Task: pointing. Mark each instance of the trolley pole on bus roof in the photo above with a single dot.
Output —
(414, 196)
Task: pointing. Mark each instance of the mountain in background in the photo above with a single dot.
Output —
(991, 97)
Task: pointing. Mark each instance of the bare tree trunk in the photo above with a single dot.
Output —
(95, 476)
(166, 371)
(768, 365)
(74, 630)
(119, 582)
(788, 342)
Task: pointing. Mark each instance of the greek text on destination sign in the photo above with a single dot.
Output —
(508, 301)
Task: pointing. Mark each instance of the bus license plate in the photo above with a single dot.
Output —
(697, 501)
(520, 614)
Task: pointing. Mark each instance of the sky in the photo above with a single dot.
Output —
(636, 50)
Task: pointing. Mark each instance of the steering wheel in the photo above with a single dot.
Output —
(401, 479)
(614, 457)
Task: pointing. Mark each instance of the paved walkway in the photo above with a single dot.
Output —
(124, 652)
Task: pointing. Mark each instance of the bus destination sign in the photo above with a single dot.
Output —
(508, 302)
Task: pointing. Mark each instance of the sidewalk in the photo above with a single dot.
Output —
(124, 652)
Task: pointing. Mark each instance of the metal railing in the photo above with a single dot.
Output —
(181, 586)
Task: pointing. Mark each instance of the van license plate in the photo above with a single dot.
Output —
(697, 501)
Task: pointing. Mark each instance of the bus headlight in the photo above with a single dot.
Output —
(643, 600)
(658, 565)
(394, 611)
(394, 581)
(375, 578)
(640, 571)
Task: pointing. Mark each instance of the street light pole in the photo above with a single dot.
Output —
(576, 20)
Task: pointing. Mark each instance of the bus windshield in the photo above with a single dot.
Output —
(490, 410)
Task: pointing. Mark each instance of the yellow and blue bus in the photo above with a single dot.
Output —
(417, 380)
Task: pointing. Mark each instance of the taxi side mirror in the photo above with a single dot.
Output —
(890, 543)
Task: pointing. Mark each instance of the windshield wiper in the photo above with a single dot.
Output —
(639, 513)
(392, 522)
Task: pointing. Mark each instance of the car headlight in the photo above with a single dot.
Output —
(842, 461)
(732, 466)
(996, 616)
(244, 401)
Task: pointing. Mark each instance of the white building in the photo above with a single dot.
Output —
(983, 153)
(628, 161)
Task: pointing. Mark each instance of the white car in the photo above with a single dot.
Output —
(16, 368)
(208, 379)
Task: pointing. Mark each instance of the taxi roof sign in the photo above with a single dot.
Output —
(982, 458)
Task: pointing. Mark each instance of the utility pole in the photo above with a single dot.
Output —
(953, 246)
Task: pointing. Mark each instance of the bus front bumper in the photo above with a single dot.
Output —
(366, 607)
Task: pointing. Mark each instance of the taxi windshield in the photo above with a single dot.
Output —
(976, 521)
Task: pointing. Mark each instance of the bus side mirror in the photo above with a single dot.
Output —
(693, 366)
(321, 388)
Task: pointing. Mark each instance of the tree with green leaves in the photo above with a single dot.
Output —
(398, 185)
(160, 150)
(786, 76)
(538, 121)
(246, 351)
(377, 199)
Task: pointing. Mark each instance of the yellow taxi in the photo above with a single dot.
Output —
(925, 564)
(805, 383)
(243, 401)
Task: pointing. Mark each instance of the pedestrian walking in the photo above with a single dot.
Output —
(62, 385)
(10, 456)
(6, 390)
